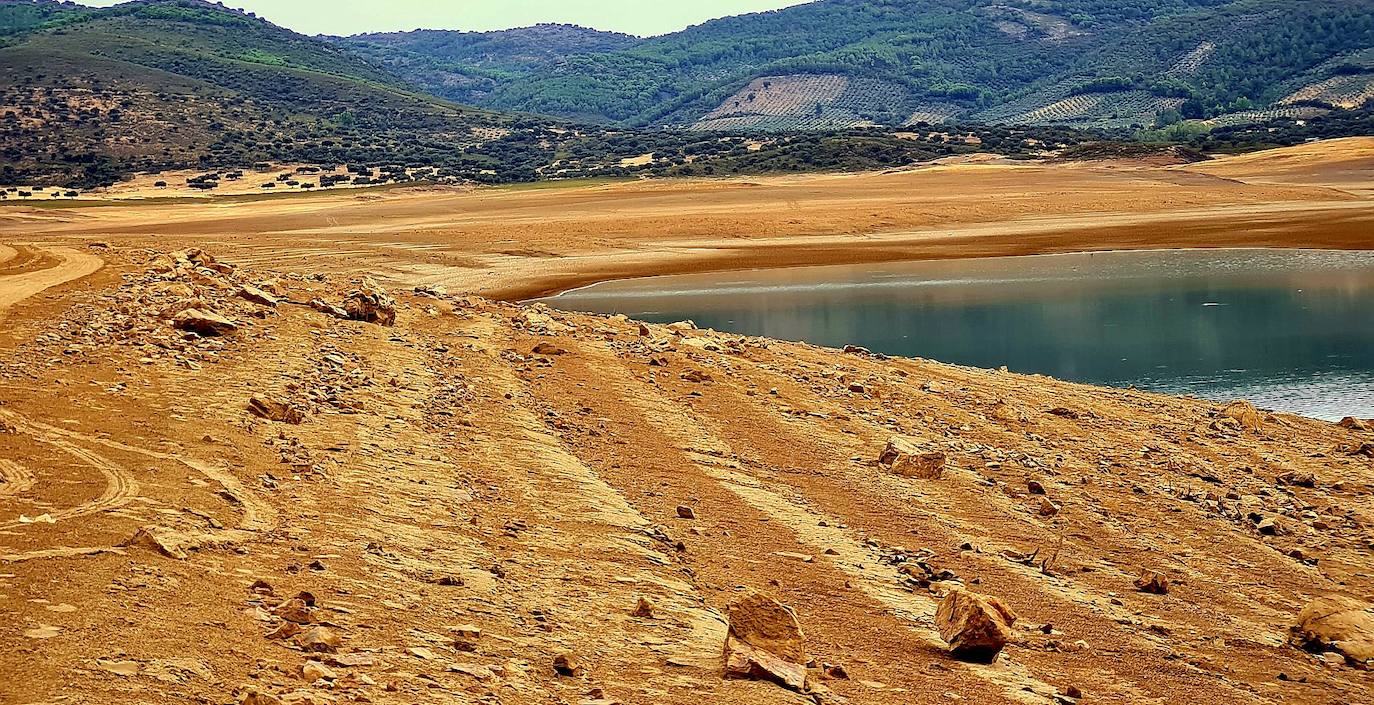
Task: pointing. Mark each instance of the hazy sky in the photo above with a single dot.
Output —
(643, 17)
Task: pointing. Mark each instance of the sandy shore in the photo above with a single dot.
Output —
(520, 242)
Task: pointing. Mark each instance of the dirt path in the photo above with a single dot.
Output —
(65, 264)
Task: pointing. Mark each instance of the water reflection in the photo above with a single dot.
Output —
(1290, 330)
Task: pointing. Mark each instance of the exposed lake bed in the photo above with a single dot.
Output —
(1291, 330)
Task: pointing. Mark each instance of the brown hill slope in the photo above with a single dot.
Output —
(448, 479)
(485, 487)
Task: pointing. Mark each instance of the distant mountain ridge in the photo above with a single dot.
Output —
(88, 96)
(468, 66)
(842, 63)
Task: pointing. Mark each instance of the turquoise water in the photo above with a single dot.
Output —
(1290, 330)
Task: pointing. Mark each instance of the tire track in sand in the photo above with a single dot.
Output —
(73, 265)
(14, 478)
(258, 515)
(120, 486)
(862, 564)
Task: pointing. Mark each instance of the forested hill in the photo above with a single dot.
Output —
(468, 66)
(831, 63)
(90, 95)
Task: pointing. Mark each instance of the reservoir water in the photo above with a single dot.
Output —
(1289, 330)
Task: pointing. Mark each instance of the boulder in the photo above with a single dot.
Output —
(904, 456)
(1297, 478)
(274, 410)
(547, 348)
(466, 636)
(431, 290)
(252, 696)
(370, 303)
(249, 292)
(568, 664)
(1244, 413)
(975, 627)
(1354, 424)
(327, 308)
(314, 670)
(158, 539)
(320, 639)
(203, 323)
(1153, 582)
(295, 610)
(285, 630)
(765, 642)
(1339, 624)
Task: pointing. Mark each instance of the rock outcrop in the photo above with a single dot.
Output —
(203, 323)
(765, 642)
(976, 628)
(1339, 624)
(370, 303)
(274, 410)
(907, 457)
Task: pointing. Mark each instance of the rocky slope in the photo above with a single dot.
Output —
(493, 502)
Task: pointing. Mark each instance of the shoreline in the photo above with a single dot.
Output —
(1260, 248)
(1224, 228)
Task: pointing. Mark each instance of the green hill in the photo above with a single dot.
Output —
(159, 84)
(88, 96)
(467, 66)
(836, 63)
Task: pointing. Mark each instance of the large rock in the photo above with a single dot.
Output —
(159, 540)
(257, 296)
(203, 323)
(765, 642)
(320, 639)
(1244, 413)
(371, 303)
(1153, 582)
(906, 457)
(1354, 424)
(975, 627)
(1339, 624)
(274, 410)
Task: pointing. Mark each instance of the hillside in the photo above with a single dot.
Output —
(839, 63)
(487, 502)
(159, 84)
(468, 66)
(91, 97)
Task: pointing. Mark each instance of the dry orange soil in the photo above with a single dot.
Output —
(463, 510)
